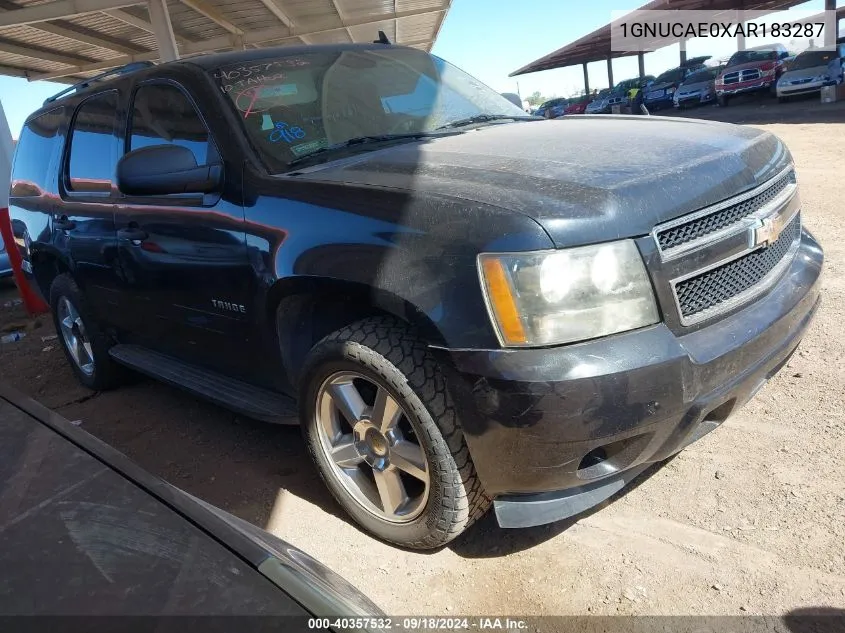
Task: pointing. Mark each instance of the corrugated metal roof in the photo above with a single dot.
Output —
(54, 43)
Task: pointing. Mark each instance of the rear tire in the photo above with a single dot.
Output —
(85, 344)
(381, 360)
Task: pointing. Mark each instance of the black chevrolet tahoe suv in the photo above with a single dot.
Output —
(471, 307)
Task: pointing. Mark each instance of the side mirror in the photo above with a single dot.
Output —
(160, 170)
(784, 55)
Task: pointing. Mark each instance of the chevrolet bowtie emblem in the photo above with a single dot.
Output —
(766, 232)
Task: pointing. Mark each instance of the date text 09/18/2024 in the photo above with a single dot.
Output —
(420, 623)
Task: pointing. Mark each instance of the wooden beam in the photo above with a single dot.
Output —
(276, 10)
(100, 41)
(212, 14)
(140, 23)
(37, 52)
(59, 9)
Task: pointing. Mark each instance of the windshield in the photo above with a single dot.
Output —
(701, 75)
(670, 76)
(295, 106)
(810, 59)
(744, 57)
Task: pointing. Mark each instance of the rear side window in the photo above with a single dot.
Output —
(92, 161)
(163, 115)
(38, 148)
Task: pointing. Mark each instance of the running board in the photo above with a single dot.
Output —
(238, 396)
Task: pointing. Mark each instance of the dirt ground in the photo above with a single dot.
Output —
(750, 520)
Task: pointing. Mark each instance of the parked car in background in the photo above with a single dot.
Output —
(90, 532)
(752, 70)
(552, 108)
(599, 103)
(5, 265)
(617, 97)
(698, 88)
(578, 105)
(660, 94)
(809, 72)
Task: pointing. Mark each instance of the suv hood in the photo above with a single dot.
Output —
(584, 179)
(660, 86)
(696, 85)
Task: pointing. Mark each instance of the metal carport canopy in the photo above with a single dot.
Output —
(597, 45)
(67, 40)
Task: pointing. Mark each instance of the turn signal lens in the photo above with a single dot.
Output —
(502, 302)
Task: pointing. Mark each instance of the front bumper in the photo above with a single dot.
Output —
(745, 87)
(554, 431)
(800, 89)
(691, 98)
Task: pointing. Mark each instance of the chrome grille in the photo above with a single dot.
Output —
(698, 295)
(748, 74)
(699, 227)
(724, 255)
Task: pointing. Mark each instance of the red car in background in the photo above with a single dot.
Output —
(578, 107)
(752, 70)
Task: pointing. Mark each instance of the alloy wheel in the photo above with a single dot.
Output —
(76, 337)
(371, 446)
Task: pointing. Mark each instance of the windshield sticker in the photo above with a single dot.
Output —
(283, 132)
(266, 122)
(279, 90)
(309, 148)
(245, 100)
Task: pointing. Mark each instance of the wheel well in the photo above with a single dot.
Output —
(45, 268)
(302, 319)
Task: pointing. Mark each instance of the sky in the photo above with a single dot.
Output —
(490, 39)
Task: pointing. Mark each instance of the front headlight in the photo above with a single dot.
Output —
(574, 294)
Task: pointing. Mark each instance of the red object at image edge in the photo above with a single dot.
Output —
(31, 301)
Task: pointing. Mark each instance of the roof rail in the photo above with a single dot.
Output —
(116, 72)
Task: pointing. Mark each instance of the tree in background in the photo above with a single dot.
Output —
(535, 98)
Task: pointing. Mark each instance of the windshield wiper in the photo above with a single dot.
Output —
(358, 140)
(486, 118)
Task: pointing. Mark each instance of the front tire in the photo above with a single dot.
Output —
(380, 426)
(84, 343)
(722, 101)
